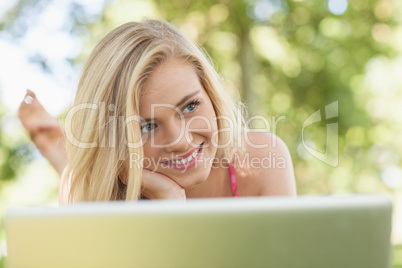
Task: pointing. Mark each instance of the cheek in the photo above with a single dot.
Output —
(149, 152)
(151, 156)
(204, 123)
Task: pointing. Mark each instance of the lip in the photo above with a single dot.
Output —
(188, 164)
(186, 154)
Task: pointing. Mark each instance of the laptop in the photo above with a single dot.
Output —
(311, 231)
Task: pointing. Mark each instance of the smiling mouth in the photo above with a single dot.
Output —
(187, 160)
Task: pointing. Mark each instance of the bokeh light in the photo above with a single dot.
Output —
(337, 7)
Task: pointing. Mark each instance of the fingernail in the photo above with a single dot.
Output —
(28, 99)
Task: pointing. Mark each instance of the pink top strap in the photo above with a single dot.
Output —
(233, 179)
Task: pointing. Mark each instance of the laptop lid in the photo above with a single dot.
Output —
(245, 232)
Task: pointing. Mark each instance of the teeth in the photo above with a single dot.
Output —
(186, 160)
(189, 158)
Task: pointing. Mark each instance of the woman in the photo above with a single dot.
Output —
(151, 120)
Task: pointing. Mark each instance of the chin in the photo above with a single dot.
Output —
(188, 182)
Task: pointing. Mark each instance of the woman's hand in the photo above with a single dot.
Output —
(158, 186)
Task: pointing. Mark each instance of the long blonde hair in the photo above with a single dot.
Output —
(110, 88)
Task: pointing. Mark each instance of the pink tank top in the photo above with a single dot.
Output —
(233, 179)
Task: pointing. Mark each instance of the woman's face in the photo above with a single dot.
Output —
(179, 130)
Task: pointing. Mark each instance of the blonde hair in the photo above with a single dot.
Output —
(112, 80)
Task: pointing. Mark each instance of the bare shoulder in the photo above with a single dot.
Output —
(265, 167)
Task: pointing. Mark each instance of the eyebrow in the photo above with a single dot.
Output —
(183, 100)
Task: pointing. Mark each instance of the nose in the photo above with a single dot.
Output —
(177, 137)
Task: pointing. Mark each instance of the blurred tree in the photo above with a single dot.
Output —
(292, 58)
(12, 153)
(15, 22)
(284, 58)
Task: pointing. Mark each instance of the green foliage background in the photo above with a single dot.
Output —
(291, 64)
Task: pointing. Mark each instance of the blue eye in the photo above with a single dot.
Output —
(147, 128)
(191, 106)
